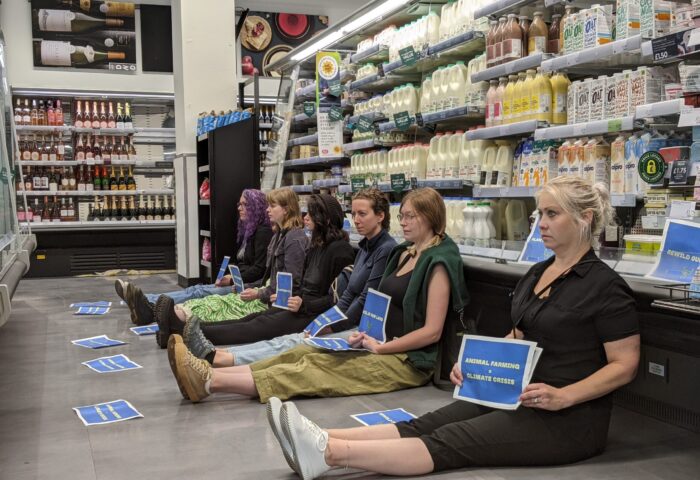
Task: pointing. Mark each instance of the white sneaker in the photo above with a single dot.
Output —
(308, 442)
(274, 405)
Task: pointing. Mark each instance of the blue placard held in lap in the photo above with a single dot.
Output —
(329, 317)
(238, 285)
(222, 270)
(284, 290)
(374, 315)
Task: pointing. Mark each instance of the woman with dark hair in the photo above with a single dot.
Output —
(330, 252)
(254, 234)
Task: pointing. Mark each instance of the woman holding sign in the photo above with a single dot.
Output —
(424, 278)
(577, 309)
(254, 234)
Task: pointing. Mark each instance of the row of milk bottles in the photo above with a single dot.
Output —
(404, 98)
(478, 222)
(450, 86)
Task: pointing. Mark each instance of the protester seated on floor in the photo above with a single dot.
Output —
(577, 309)
(285, 253)
(254, 234)
(424, 278)
(370, 213)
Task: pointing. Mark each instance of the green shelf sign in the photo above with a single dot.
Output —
(335, 88)
(651, 167)
(336, 114)
(614, 125)
(309, 109)
(398, 182)
(403, 120)
(357, 184)
(408, 56)
(364, 124)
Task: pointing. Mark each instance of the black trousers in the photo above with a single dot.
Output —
(265, 325)
(463, 434)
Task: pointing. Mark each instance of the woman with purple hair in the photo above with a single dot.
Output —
(254, 234)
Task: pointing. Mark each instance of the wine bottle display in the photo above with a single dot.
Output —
(47, 20)
(52, 53)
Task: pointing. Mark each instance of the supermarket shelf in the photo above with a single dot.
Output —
(264, 149)
(361, 145)
(104, 225)
(372, 116)
(313, 161)
(203, 168)
(307, 140)
(520, 65)
(375, 54)
(481, 191)
(443, 183)
(594, 55)
(43, 129)
(302, 188)
(659, 109)
(495, 253)
(465, 112)
(73, 163)
(623, 199)
(344, 188)
(503, 131)
(647, 48)
(205, 202)
(140, 132)
(105, 131)
(306, 91)
(99, 193)
(599, 127)
(205, 233)
(377, 83)
(302, 117)
(265, 126)
(203, 137)
(327, 183)
(501, 7)
(204, 263)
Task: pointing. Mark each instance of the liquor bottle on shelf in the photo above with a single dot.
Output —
(64, 183)
(53, 151)
(91, 211)
(46, 213)
(78, 121)
(43, 152)
(53, 181)
(123, 151)
(49, 20)
(106, 150)
(72, 182)
(55, 211)
(58, 112)
(96, 180)
(167, 210)
(41, 114)
(120, 117)
(29, 213)
(105, 179)
(71, 210)
(18, 112)
(113, 185)
(50, 114)
(95, 117)
(81, 180)
(79, 153)
(132, 149)
(150, 208)
(25, 149)
(34, 114)
(115, 213)
(89, 182)
(19, 183)
(26, 113)
(44, 179)
(111, 121)
(103, 115)
(29, 180)
(128, 121)
(60, 149)
(97, 151)
(126, 212)
(121, 181)
(142, 209)
(160, 210)
(89, 154)
(63, 212)
(130, 181)
(21, 214)
(37, 211)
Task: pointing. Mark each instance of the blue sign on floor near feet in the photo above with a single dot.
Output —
(115, 363)
(91, 304)
(145, 329)
(110, 412)
(100, 341)
(284, 290)
(384, 417)
(92, 311)
(329, 317)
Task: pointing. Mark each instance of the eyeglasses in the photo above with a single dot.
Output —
(408, 216)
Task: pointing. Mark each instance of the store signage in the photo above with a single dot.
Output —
(651, 167)
(336, 114)
(398, 182)
(309, 109)
(402, 120)
(408, 56)
(679, 172)
(679, 255)
(335, 88)
(327, 74)
(357, 183)
(670, 46)
(364, 124)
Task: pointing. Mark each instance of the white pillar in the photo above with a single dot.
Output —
(204, 67)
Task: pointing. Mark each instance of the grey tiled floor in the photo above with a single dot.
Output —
(224, 437)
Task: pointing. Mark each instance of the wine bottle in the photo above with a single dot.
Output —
(49, 20)
(60, 149)
(63, 184)
(115, 213)
(91, 212)
(97, 151)
(44, 179)
(41, 113)
(107, 151)
(120, 117)
(128, 121)
(95, 116)
(29, 180)
(63, 212)
(37, 211)
(34, 114)
(29, 214)
(121, 181)
(78, 121)
(56, 211)
(18, 112)
(105, 179)
(142, 209)
(166, 209)
(26, 113)
(103, 115)
(21, 214)
(53, 151)
(158, 215)
(123, 151)
(130, 181)
(53, 181)
(50, 114)
(72, 182)
(124, 207)
(46, 214)
(43, 150)
(80, 149)
(113, 185)
(81, 180)
(132, 149)
(111, 121)
(97, 182)
(54, 53)
(133, 213)
(150, 209)
(89, 182)
(59, 113)
(89, 153)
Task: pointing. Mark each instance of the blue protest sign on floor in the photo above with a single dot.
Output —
(329, 317)
(384, 417)
(495, 371)
(238, 285)
(92, 311)
(535, 251)
(145, 329)
(91, 304)
(374, 314)
(284, 290)
(115, 363)
(100, 341)
(679, 256)
(110, 412)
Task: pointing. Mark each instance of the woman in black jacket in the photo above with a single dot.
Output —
(330, 252)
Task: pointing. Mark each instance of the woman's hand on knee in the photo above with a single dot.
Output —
(250, 294)
(456, 375)
(546, 397)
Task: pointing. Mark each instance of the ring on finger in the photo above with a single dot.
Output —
(537, 399)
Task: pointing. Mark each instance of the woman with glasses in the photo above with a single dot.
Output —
(424, 278)
(254, 234)
(577, 309)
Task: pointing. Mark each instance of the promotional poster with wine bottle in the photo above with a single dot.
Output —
(84, 34)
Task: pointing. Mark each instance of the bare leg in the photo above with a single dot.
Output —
(241, 383)
(180, 313)
(371, 455)
(223, 358)
(376, 432)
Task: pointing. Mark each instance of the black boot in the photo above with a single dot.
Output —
(168, 323)
(142, 312)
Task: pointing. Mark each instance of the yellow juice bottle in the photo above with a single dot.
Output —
(543, 87)
(508, 99)
(528, 105)
(560, 87)
(518, 98)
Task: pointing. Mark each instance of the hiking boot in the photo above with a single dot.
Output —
(274, 405)
(143, 308)
(194, 338)
(120, 286)
(192, 372)
(168, 323)
(308, 442)
(173, 343)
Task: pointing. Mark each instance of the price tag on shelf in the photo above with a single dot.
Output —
(335, 88)
(614, 125)
(336, 114)
(398, 182)
(419, 119)
(679, 173)
(403, 120)
(364, 124)
(668, 46)
(579, 129)
(357, 184)
(689, 116)
(682, 209)
(309, 109)
(408, 56)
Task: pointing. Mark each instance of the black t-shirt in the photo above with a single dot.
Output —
(589, 306)
(395, 286)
